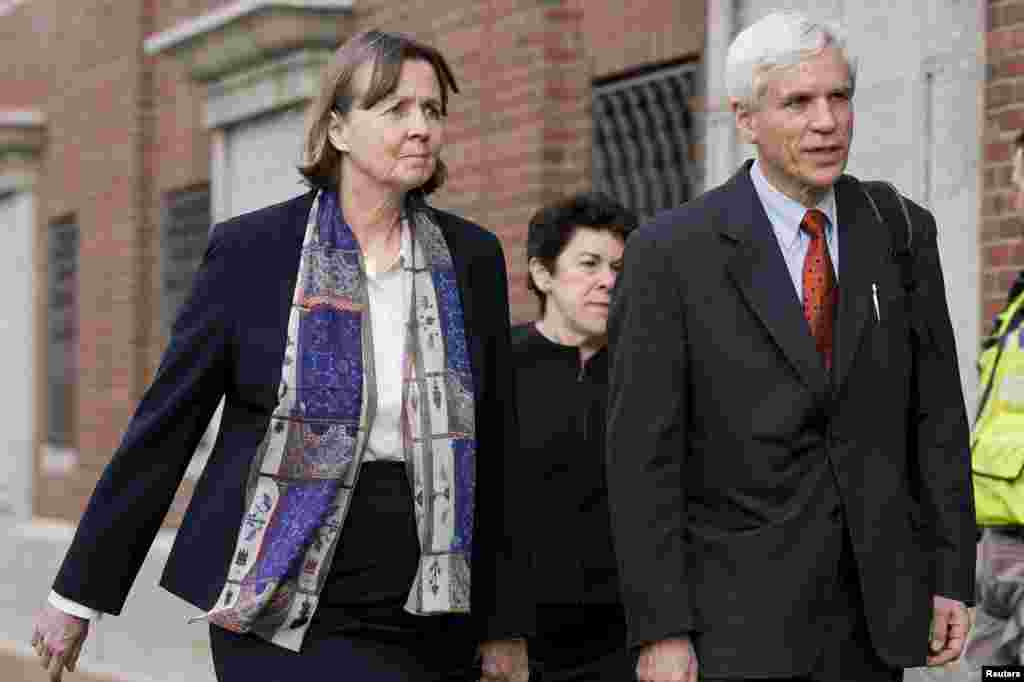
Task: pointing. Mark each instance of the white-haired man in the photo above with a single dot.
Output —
(787, 446)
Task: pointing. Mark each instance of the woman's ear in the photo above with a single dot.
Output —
(337, 132)
(541, 276)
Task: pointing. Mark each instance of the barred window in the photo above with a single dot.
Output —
(186, 226)
(185, 233)
(642, 136)
(62, 331)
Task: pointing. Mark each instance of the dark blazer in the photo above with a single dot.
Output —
(736, 463)
(561, 412)
(229, 341)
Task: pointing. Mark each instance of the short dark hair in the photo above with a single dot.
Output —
(553, 227)
(387, 52)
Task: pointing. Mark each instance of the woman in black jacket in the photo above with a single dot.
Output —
(574, 251)
(349, 523)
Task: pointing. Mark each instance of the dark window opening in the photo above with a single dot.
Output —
(643, 132)
(62, 331)
(186, 227)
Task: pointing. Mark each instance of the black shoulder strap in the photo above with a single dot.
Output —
(901, 229)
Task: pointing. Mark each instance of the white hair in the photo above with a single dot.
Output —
(780, 40)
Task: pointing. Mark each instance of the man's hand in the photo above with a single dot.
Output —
(950, 624)
(504, 660)
(57, 639)
(670, 660)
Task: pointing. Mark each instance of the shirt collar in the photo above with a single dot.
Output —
(784, 213)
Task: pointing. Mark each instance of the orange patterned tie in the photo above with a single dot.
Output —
(819, 284)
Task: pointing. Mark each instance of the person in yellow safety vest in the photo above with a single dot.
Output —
(997, 453)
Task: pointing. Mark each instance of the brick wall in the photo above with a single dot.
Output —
(520, 130)
(622, 34)
(90, 91)
(1002, 247)
(125, 128)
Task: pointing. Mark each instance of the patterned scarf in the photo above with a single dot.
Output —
(306, 468)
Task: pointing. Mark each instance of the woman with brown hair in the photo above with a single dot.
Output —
(360, 339)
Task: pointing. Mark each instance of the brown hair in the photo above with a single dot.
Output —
(387, 52)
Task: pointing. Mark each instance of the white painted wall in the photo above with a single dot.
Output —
(260, 156)
(17, 361)
(916, 124)
(253, 165)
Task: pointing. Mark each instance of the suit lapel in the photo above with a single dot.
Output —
(759, 271)
(862, 245)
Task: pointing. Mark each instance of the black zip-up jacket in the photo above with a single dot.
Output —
(562, 411)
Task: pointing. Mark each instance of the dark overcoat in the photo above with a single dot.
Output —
(228, 341)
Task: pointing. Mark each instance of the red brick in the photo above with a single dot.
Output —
(999, 95)
(1008, 68)
(992, 308)
(1012, 120)
(1011, 227)
(1002, 39)
(1006, 278)
(997, 256)
(564, 14)
(124, 129)
(1013, 13)
(998, 151)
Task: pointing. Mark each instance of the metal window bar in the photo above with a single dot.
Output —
(186, 226)
(642, 135)
(62, 330)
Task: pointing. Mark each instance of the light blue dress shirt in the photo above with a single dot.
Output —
(785, 215)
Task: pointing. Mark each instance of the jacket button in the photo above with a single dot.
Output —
(837, 513)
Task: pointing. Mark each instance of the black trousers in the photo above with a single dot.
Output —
(846, 654)
(360, 630)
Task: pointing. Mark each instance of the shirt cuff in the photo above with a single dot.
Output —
(72, 607)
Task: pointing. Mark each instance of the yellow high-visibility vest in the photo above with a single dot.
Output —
(997, 440)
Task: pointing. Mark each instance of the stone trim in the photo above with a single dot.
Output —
(249, 32)
(22, 134)
(210, 22)
(278, 83)
(25, 118)
(15, 180)
(22, 138)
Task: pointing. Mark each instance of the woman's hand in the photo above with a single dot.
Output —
(57, 639)
(504, 660)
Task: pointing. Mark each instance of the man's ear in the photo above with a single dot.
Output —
(337, 132)
(745, 120)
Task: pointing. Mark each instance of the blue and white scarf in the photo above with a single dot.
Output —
(306, 468)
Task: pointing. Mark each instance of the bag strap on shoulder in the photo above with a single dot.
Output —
(901, 232)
